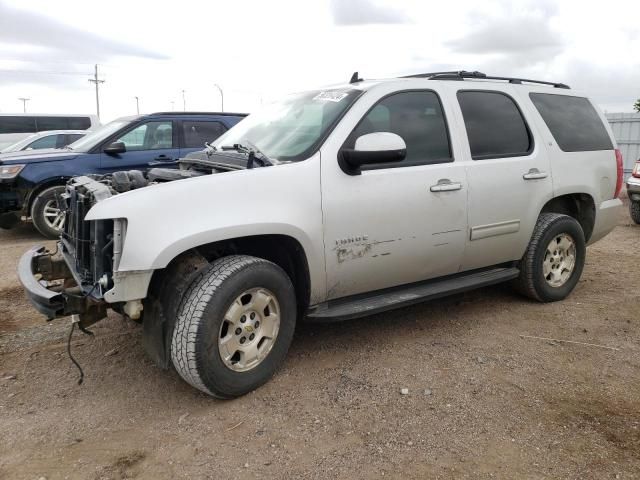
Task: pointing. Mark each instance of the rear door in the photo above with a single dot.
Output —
(151, 143)
(509, 175)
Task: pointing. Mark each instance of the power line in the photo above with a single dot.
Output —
(39, 72)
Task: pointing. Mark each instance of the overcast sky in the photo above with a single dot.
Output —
(259, 50)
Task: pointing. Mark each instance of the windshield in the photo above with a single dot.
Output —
(89, 141)
(21, 144)
(292, 129)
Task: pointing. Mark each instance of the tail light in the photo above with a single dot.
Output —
(636, 169)
(620, 171)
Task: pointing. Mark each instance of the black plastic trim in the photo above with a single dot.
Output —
(362, 305)
(44, 300)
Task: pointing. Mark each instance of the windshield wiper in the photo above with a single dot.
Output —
(254, 154)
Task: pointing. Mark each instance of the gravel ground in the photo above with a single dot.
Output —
(482, 401)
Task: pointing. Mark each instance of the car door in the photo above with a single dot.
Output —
(508, 172)
(195, 133)
(396, 223)
(148, 144)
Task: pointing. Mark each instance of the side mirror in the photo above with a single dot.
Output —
(372, 148)
(115, 148)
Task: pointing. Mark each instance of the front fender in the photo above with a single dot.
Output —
(168, 219)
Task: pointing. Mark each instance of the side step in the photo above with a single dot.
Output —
(388, 299)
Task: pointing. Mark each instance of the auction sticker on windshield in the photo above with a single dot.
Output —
(331, 96)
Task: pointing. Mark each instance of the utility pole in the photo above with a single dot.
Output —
(137, 105)
(97, 82)
(221, 97)
(24, 103)
(184, 103)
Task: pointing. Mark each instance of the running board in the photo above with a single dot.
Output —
(388, 299)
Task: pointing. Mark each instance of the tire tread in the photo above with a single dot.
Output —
(191, 315)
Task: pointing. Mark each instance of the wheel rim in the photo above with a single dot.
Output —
(559, 260)
(249, 329)
(53, 216)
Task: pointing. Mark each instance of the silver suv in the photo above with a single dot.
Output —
(334, 204)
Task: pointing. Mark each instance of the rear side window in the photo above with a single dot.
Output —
(51, 123)
(79, 123)
(418, 118)
(197, 133)
(17, 124)
(573, 122)
(495, 126)
(69, 139)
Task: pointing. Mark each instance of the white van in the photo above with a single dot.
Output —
(16, 126)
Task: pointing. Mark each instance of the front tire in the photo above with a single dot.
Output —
(552, 265)
(45, 214)
(234, 326)
(634, 211)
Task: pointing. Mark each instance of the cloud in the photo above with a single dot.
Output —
(365, 12)
(526, 33)
(21, 27)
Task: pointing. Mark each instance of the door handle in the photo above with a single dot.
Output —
(163, 158)
(445, 185)
(534, 174)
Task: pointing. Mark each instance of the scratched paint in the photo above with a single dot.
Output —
(353, 251)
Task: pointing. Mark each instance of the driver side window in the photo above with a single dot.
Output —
(418, 118)
(149, 136)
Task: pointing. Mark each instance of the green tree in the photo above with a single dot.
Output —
(636, 105)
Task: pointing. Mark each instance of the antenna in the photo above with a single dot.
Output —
(354, 78)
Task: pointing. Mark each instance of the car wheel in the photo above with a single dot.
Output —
(45, 214)
(234, 326)
(634, 210)
(553, 262)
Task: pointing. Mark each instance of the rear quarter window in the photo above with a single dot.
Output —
(573, 122)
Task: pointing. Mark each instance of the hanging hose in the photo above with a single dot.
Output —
(73, 327)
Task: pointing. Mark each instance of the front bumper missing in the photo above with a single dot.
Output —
(52, 290)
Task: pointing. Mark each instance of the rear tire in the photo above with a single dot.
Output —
(234, 326)
(552, 265)
(634, 211)
(45, 215)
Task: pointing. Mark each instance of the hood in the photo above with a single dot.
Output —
(37, 156)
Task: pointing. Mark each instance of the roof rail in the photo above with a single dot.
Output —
(201, 113)
(463, 74)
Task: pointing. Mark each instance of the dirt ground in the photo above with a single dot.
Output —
(483, 401)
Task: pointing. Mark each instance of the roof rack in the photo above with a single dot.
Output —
(462, 74)
(200, 113)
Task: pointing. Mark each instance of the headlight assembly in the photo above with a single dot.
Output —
(10, 171)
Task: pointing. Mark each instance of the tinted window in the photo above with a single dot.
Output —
(149, 136)
(494, 124)
(197, 133)
(418, 118)
(51, 123)
(79, 123)
(45, 142)
(17, 124)
(70, 138)
(573, 122)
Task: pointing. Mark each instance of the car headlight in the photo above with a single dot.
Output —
(10, 171)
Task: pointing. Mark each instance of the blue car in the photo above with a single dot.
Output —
(30, 181)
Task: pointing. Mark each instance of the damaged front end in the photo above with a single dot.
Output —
(74, 278)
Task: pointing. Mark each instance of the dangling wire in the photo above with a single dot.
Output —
(73, 327)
